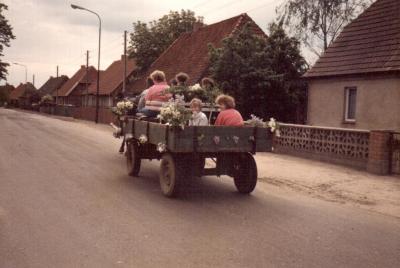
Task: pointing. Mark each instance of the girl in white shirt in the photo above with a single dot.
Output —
(198, 117)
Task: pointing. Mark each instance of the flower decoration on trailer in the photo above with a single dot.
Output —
(161, 147)
(173, 112)
(143, 139)
(274, 126)
(123, 107)
(255, 121)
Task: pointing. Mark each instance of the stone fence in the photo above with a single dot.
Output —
(363, 149)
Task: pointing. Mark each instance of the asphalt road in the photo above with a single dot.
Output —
(66, 201)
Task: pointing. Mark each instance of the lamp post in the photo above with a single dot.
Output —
(26, 69)
(98, 59)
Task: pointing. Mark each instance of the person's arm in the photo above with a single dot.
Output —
(203, 120)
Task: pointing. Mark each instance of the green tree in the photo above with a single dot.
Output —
(318, 22)
(6, 34)
(148, 41)
(261, 73)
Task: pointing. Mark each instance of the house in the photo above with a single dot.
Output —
(71, 91)
(52, 84)
(111, 81)
(22, 95)
(5, 91)
(189, 53)
(356, 82)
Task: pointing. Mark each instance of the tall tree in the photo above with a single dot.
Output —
(148, 41)
(261, 73)
(318, 22)
(6, 34)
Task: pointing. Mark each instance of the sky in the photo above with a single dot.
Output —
(50, 33)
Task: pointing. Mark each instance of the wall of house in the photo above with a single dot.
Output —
(377, 103)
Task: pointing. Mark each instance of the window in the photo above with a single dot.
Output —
(350, 104)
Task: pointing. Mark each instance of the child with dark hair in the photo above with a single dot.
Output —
(228, 115)
(182, 79)
(173, 82)
(207, 83)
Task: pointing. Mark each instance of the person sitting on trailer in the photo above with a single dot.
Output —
(156, 95)
(198, 117)
(173, 82)
(228, 115)
(207, 83)
(142, 97)
(182, 79)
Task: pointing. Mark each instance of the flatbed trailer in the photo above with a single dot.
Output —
(183, 152)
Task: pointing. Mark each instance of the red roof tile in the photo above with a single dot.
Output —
(189, 53)
(78, 78)
(52, 84)
(22, 90)
(369, 44)
(111, 79)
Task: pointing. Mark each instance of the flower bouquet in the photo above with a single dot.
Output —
(173, 113)
(123, 107)
(255, 121)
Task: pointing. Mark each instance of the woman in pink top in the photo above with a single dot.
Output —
(228, 116)
(156, 96)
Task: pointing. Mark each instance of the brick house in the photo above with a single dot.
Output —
(189, 52)
(71, 91)
(52, 84)
(5, 91)
(20, 96)
(356, 82)
(111, 81)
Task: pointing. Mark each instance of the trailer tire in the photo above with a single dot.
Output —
(245, 170)
(133, 160)
(172, 174)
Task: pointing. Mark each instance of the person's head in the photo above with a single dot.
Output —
(173, 82)
(158, 76)
(182, 79)
(225, 102)
(149, 82)
(195, 105)
(207, 83)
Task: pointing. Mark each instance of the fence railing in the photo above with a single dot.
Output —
(338, 145)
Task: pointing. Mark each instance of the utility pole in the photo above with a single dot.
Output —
(57, 87)
(33, 79)
(125, 62)
(87, 79)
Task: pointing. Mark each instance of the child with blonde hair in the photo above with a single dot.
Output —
(198, 117)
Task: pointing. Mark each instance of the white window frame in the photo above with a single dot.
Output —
(347, 103)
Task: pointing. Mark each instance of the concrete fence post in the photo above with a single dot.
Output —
(379, 152)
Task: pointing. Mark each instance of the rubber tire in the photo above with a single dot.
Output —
(245, 177)
(133, 160)
(172, 174)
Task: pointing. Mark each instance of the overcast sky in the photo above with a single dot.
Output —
(50, 33)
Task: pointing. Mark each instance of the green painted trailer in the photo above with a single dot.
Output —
(183, 152)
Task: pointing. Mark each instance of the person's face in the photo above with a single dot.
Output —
(195, 108)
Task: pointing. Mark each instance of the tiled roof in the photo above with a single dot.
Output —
(22, 90)
(76, 79)
(7, 88)
(111, 79)
(189, 53)
(53, 84)
(369, 44)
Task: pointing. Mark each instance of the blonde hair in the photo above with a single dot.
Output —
(196, 103)
(158, 76)
(227, 100)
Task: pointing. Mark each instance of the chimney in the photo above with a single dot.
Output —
(197, 25)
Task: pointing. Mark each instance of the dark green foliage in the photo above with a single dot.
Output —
(318, 22)
(261, 73)
(6, 35)
(148, 41)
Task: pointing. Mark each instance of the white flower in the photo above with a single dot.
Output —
(142, 139)
(195, 87)
(161, 147)
(121, 105)
(278, 133)
(128, 105)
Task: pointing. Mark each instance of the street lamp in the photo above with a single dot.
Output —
(98, 59)
(26, 69)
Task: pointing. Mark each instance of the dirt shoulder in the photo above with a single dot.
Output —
(331, 182)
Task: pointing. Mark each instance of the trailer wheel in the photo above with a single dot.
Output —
(172, 174)
(133, 160)
(245, 173)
